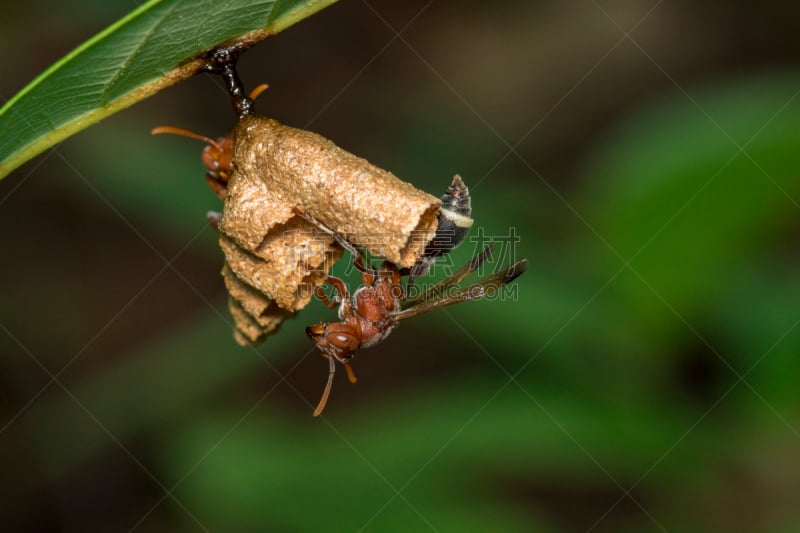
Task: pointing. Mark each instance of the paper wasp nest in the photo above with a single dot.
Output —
(274, 258)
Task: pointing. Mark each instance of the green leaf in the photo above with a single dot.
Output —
(153, 47)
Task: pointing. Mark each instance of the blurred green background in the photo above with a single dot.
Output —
(645, 379)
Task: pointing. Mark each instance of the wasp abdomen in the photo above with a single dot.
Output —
(454, 222)
(454, 219)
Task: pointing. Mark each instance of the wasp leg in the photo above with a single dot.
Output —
(214, 219)
(367, 275)
(331, 304)
(350, 374)
(217, 185)
(339, 286)
(392, 273)
(344, 243)
(344, 295)
(360, 259)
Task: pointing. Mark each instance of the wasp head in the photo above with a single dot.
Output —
(337, 340)
(218, 158)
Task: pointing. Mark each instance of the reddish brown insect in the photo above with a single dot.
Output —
(217, 156)
(372, 312)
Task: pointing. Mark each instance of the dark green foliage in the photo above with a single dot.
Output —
(663, 269)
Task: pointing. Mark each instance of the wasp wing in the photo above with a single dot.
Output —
(436, 291)
(475, 291)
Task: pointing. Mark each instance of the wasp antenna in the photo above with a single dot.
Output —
(255, 93)
(185, 133)
(350, 374)
(327, 391)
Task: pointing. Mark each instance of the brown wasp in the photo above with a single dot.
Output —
(370, 314)
(217, 155)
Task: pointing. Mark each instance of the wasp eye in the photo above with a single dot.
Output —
(317, 330)
(344, 341)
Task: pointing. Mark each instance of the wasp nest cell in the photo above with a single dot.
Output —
(274, 258)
